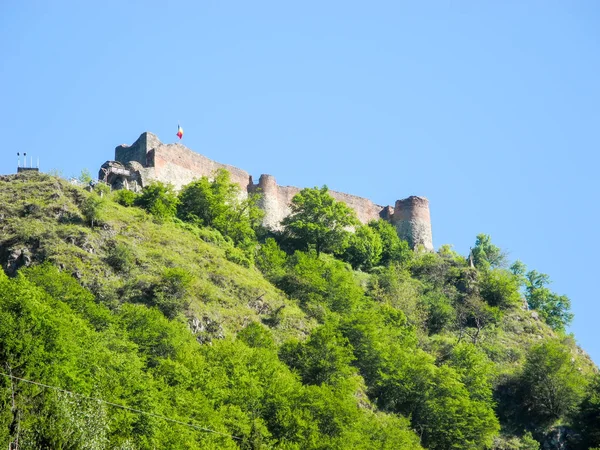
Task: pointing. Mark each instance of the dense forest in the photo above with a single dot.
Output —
(173, 320)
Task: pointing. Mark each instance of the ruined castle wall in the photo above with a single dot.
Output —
(148, 159)
(137, 151)
(364, 208)
(277, 199)
(178, 165)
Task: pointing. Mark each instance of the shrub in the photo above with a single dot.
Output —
(170, 294)
(270, 259)
(238, 256)
(125, 197)
(120, 257)
(159, 199)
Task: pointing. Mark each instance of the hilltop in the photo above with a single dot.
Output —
(261, 342)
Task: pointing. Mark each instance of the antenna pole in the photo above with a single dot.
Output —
(18, 160)
(25, 160)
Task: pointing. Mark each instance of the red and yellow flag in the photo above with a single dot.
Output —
(179, 131)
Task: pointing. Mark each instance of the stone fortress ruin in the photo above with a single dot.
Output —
(148, 159)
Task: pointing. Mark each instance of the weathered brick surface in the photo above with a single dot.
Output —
(149, 159)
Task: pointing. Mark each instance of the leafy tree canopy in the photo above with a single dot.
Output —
(219, 204)
(485, 254)
(319, 220)
(159, 199)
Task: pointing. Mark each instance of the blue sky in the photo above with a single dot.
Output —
(489, 109)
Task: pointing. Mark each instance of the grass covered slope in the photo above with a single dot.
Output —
(128, 257)
(254, 347)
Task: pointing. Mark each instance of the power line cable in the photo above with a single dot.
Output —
(197, 427)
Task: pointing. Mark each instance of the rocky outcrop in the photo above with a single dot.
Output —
(16, 259)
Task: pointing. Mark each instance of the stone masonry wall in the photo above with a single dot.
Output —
(149, 159)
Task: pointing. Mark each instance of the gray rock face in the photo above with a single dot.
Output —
(17, 258)
(148, 159)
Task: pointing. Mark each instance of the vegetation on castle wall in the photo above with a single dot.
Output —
(355, 342)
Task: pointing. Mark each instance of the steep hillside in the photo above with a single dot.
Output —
(216, 341)
(127, 253)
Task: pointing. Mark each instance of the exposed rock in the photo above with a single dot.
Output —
(559, 438)
(17, 258)
(260, 305)
(535, 315)
(206, 329)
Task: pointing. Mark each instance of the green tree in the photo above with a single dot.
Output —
(393, 249)
(125, 197)
(324, 358)
(499, 287)
(85, 177)
(364, 248)
(170, 294)
(256, 335)
(552, 387)
(320, 284)
(587, 420)
(218, 204)
(554, 308)
(485, 254)
(159, 199)
(92, 208)
(440, 312)
(271, 260)
(318, 219)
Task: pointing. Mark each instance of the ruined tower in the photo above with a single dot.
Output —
(413, 222)
(269, 201)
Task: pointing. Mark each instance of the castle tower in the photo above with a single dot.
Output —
(413, 222)
(269, 201)
(137, 151)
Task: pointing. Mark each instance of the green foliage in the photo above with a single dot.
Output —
(473, 316)
(420, 342)
(217, 204)
(318, 220)
(393, 248)
(92, 209)
(587, 419)
(554, 308)
(85, 177)
(238, 256)
(551, 385)
(499, 287)
(256, 335)
(485, 254)
(529, 443)
(271, 260)
(364, 248)
(324, 358)
(159, 199)
(321, 284)
(120, 257)
(170, 293)
(475, 369)
(125, 197)
(102, 189)
(405, 380)
(393, 285)
(441, 315)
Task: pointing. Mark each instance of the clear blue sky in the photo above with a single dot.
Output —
(490, 109)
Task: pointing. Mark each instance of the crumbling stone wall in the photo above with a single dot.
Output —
(148, 159)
